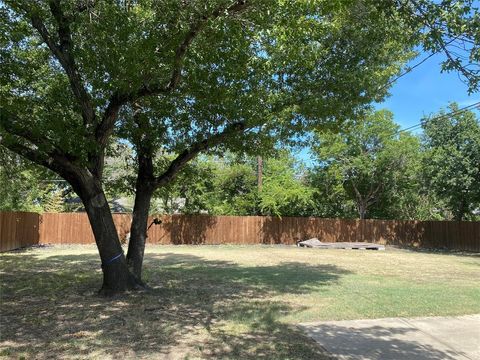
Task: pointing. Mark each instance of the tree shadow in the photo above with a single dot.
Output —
(198, 307)
(189, 229)
(442, 252)
(438, 235)
(453, 236)
(376, 342)
(290, 230)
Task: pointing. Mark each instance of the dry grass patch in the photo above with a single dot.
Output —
(225, 302)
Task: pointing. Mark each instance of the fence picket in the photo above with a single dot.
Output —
(19, 229)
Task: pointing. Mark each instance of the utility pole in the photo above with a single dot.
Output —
(259, 173)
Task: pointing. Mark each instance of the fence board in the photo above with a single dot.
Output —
(18, 229)
(23, 229)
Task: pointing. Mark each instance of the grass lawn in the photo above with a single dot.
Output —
(226, 302)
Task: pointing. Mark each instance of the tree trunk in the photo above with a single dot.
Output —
(362, 210)
(116, 275)
(459, 215)
(138, 230)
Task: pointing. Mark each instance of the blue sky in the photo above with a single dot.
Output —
(425, 91)
(422, 92)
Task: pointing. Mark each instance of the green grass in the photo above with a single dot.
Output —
(226, 302)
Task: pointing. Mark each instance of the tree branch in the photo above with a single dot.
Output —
(357, 193)
(180, 52)
(63, 52)
(105, 127)
(54, 160)
(183, 158)
(37, 149)
(145, 151)
(118, 99)
(193, 32)
(372, 195)
(470, 76)
(7, 121)
(28, 153)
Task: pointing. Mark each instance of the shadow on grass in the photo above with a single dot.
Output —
(446, 252)
(198, 307)
(378, 342)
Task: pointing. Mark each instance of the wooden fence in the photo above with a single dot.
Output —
(18, 229)
(74, 228)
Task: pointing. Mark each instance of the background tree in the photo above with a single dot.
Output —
(330, 199)
(226, 185)
(285, 191)
(402, 196)
(368, 163)
(27, 187)
(234, 189)
(452, 160)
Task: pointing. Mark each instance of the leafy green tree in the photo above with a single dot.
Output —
(235, 187)
(188, 76)
(368, 164)
(25, 186)
(285, 191)
(452, 160)
(55, 203)
(229, 186)
(191, 190)
(329, 197)
(401, 197)
(265, 82)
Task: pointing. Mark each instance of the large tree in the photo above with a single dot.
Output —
(185, 76)
(368, 163)
(452, 159)
(274, 73)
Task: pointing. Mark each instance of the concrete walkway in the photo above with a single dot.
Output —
(400, 338)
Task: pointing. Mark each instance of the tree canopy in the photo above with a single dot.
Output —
(366, 161)
(452, 159)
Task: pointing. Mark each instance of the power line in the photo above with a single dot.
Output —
(456, 112)
(409, 69)
(448, 115)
